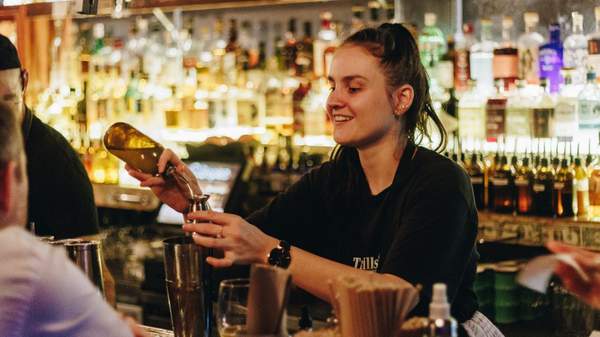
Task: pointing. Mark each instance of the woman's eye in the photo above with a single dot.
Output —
(353, 89)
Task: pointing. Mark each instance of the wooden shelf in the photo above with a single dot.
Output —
(535, 230)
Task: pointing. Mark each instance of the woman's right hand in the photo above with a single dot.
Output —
(166, 190)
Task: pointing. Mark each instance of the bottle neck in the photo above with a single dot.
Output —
(486, 33)
(577, 28)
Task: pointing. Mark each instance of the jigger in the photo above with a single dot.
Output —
(189, 281)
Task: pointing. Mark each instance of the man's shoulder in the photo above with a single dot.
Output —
(19, 246)
(43, 136)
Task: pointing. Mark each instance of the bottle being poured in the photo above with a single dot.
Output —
(142, 153)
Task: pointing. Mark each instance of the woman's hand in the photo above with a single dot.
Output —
(588, 291)
(166, 190)
(241, 242)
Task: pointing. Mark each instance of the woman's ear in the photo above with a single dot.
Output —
(402, 98)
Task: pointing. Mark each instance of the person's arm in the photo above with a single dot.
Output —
(587, 290)
(244, 243)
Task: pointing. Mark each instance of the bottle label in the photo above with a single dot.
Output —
(539, 187)
(541, 122)
(550, 65)
(518, 121)
(461, 69)
(565, 119)
(521, 181)
(476, 180)
(582, 185)
(471, 122)
(528, 65)
(499, 181)
(589, 114)
(506, 66)
(559, 185)
(496, 116)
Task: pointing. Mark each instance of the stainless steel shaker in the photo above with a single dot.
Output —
(189, 282)
(86, 254)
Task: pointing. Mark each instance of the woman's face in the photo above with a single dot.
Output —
(359, 106)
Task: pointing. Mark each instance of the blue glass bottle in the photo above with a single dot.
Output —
(551, 59)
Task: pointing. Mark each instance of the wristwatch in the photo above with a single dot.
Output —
(280, 255)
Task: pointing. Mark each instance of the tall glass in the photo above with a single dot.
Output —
(232, 308)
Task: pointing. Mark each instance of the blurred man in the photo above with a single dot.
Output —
(61, 200)
(42, 294)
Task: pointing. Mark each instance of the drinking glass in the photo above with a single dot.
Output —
(232, 307)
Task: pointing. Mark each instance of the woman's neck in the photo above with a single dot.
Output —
(380, 162)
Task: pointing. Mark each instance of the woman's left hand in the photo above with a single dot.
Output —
(241, 241)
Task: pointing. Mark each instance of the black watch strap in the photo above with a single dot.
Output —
(280, 255)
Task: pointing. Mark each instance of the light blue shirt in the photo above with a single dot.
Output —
(43, 294)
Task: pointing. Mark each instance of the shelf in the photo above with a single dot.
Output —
(536, 231)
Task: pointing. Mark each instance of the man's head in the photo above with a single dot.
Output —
(13, 79)
(13, 171)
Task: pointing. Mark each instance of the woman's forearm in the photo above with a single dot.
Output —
(313, 273)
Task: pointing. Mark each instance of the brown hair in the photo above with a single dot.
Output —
(398, 54)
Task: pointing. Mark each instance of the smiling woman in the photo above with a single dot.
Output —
(381, 204)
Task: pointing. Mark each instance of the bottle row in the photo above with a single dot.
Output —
(564, 186)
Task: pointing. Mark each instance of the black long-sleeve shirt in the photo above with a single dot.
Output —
(61, 199)
(422, 228)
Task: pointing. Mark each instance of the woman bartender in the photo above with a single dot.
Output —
(381, 203)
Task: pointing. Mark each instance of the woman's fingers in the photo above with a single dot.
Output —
(141, 176)
(205, 229)
(168, 156)
(210, 242)
(152, 181)
(212, 216)
(219, 263)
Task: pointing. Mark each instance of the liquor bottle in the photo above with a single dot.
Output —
(594, 192)
(471, 114)
(506, 56)
(504, 186)
(358, 21)
(142, 153)
(543, 112)
(565, 112)
(304, 56)
(593, 44)
(232, 52)
(575, 46)
(290, 49)
(581, 188)
(551, 58)
(495, 111)
(324, 46)
(491, 168)
(374, 13)
(444, 69)
(589, 105)
(481, 58)
(528, 45)
(563, 190)
(432, 43)
(543, 187)
(518, 112)
(524, 178)
(462, 71)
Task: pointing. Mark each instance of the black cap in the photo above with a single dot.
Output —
(9, 58)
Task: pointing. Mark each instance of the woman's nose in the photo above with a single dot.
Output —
(334, 101)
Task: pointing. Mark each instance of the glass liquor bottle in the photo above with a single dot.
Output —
(543, 113)
(491, 168)
(563, 190)
(581, 188)
(142, 153)
(594, 191)
(324, 46)
(444, 69)
(358, 22)
(518, 112)
(565, 112)
(432, 43)
(304, 56)
(290, 49)
(528, 45)
(576, 49)
(506, 57)
(462, 46)
(551, 58)
(593, 44)
(524, 178)
(503, 182)
(495, 111)
(481, 59)
(589, 106)
(543, 187)
(471, 114)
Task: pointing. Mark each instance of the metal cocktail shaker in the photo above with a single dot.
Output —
(86, 254)
(188, 279)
